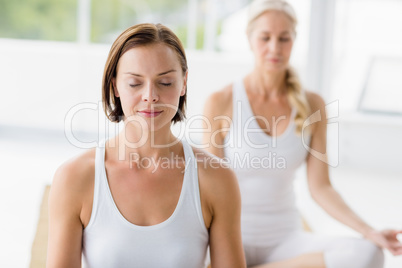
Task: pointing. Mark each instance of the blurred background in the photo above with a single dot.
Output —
(52, 55)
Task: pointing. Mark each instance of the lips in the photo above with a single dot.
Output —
(274, 60)
(149, 113)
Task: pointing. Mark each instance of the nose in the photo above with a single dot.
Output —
(150, 94)
(274, 45)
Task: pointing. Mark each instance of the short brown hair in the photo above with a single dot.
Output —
(135, 36)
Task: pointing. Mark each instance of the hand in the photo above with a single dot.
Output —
(387, 239)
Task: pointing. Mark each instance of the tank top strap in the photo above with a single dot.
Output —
(242, 106)
(192, 185)
(237, 100)
(191, 167)
(239, 90)
(99, 189)
(293, 114)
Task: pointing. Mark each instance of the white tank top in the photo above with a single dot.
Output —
(111, 241)
(265, 167)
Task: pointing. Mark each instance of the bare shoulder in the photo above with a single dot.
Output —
(220, 102)
(215, 175)
(317, 105)
(76, 171)
(73, 181)
(219, 189)
(213, 166)
(315, 101)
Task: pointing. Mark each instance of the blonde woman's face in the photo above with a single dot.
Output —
(271, 40)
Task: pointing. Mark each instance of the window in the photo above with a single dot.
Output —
(383, 90)
(367, 55)
(109, 18)
(38, 19)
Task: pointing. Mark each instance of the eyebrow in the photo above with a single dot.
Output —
(284, 32)
(163, 73)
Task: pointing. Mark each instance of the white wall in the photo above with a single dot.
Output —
(42, 81)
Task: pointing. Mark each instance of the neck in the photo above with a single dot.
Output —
(133, 141)
(267, 83)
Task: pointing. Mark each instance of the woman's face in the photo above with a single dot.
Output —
(149, 82)
(271, 40)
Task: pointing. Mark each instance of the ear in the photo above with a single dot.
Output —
(183, 90)
(116, 92)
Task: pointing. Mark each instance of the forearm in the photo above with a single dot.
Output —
(330, 200)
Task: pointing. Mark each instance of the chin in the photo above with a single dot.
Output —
(157, 125)
(150, 124)
(275, 69)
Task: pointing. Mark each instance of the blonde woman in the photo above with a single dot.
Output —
(256, 126)
(143, 198)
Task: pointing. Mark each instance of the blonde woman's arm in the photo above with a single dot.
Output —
(326, 196)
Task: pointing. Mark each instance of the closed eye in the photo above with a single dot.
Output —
(166, 84)
(134, 85)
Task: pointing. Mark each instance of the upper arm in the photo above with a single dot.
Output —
(65, 224)
(217, 111)
(224, 202)
(317, 160)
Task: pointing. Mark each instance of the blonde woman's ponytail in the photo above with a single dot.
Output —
(297, 99)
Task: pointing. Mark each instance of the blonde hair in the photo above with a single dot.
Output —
(258, 7)
(297, 98)
(295, 93)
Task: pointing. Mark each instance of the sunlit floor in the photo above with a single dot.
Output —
(28, 162)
